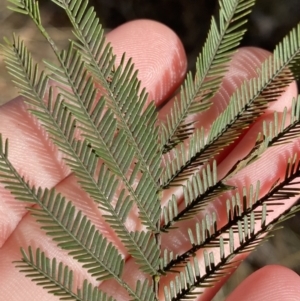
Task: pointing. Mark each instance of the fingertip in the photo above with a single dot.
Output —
(285, 99)
(157, 53)
(244, 66)
(271, 283)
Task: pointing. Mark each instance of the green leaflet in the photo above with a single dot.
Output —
(274, 133)
(240, 232)
(72, 75)
(222, 40)
(61, 222)
(80, 157)
(121, 86)
(97, 116)
(246, 104)
(57, 278)
(197, 193)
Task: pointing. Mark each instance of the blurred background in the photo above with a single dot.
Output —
(190, 19)
(269, 22)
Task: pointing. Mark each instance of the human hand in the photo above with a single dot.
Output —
(159, 56)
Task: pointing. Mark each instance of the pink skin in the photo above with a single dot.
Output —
(159, 55)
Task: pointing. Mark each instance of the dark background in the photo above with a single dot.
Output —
(269, 22)
(190, 19)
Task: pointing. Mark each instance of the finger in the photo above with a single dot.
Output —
(28, 233)
(267, 172)
(262, 169)
(171, 239)
(271, 283)
(243, 66)
(32, 154)
(23, 236)
(159, 55)
(13, 284)
(179, 242)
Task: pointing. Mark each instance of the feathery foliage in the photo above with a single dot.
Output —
(95, 112)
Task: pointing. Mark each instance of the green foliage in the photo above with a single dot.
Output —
(124, 160)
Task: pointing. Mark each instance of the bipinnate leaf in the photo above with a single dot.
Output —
(243, 213)
(201, 189)
(245, 106)
(60, 124)
(120, 85)
(72, 231)
(57, 278)
(100, 120)
(274, 133)
(77, 82)
(59, 219)
(241, 238)
(223, 39)
(144, 291)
